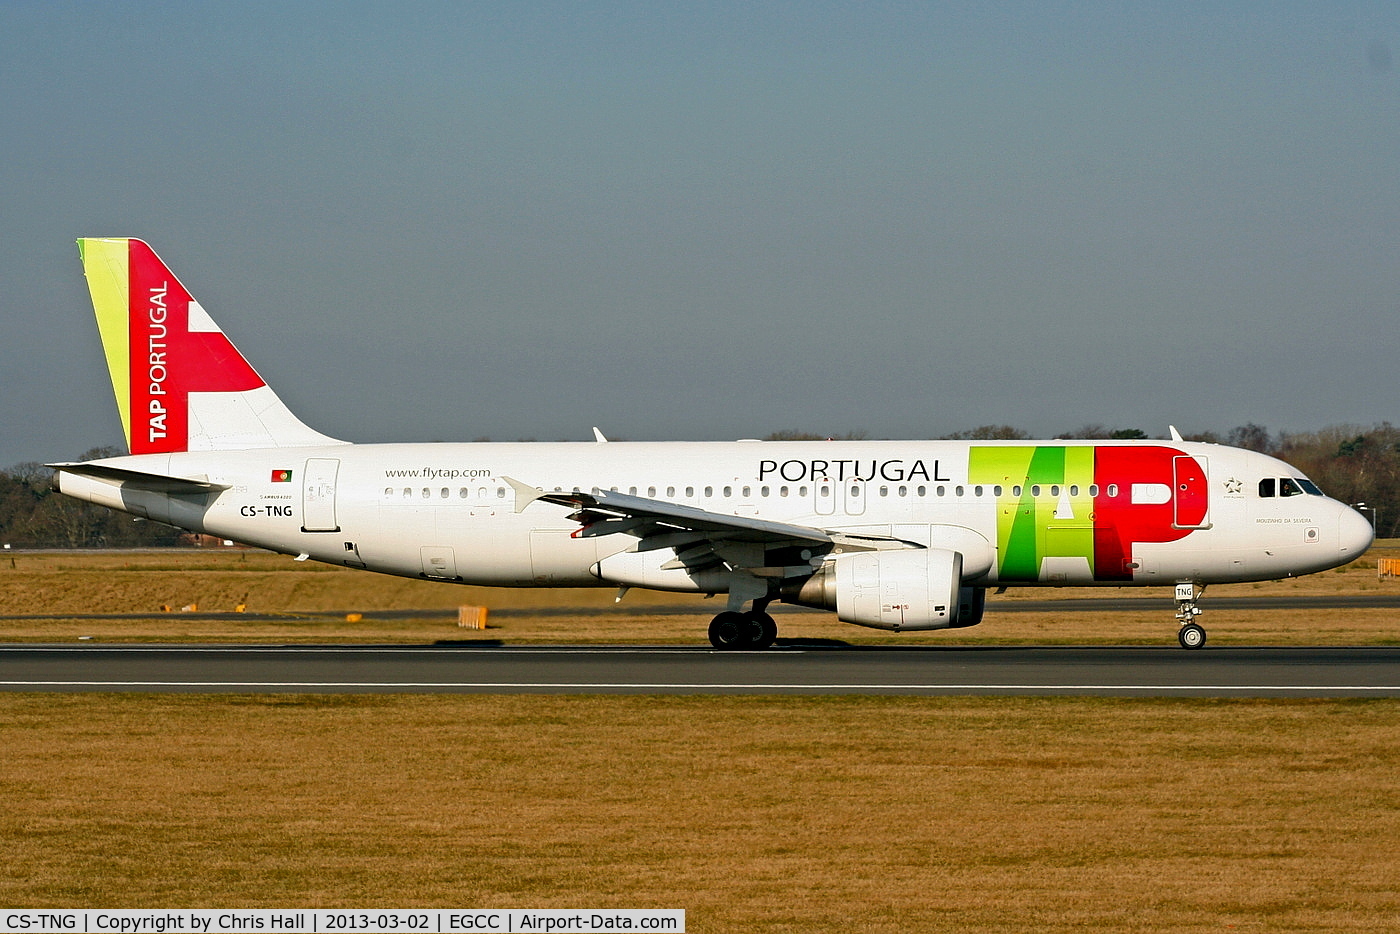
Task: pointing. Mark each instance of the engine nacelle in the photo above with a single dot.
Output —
(917, 588)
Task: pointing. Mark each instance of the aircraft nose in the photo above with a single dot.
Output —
(1354, 532)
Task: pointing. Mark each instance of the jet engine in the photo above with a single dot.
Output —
(916, 588)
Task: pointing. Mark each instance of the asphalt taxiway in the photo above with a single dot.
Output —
(789, 668)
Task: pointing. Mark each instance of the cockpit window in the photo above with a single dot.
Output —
(1287, 486)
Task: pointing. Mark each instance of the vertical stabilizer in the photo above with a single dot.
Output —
(180, 384)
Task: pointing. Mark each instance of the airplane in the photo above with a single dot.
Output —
(893, 535)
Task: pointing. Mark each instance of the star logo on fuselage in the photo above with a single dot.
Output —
(1233, 486)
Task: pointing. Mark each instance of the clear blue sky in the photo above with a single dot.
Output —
(449, 221)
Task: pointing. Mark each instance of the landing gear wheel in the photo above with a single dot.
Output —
(731, 631)
(1191, 636)
(766, 629)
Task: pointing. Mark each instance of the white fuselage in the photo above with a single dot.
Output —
(1021, 513)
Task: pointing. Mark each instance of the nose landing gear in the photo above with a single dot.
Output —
(1191, 635)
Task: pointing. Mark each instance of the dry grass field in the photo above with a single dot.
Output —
(754, 814)
(768, 814)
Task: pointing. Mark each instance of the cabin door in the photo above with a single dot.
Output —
(1190, 505)
(318, 495)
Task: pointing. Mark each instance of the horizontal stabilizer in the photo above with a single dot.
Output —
(136, 479)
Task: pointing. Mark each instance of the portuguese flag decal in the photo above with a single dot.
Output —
(281, 476)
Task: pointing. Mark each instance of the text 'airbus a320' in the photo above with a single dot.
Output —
(896, 535)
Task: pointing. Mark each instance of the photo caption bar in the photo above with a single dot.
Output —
(339, 920)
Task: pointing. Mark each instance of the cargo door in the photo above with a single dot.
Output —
(439, 562)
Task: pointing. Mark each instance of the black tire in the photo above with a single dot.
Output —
(730, 631)
(767, 629)
(1191, 636)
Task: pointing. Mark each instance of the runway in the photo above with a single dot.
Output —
(789, 668)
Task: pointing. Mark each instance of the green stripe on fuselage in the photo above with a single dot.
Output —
(1056, 523)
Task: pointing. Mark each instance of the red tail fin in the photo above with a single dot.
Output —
(180, 384)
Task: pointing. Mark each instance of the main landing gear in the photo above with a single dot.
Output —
(732, 630)
(1191, 635)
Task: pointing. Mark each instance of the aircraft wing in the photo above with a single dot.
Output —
(662, 524)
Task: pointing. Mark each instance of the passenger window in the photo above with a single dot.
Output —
(1055, 491)
(388, 491)
(1112, 490)
(746, 492)
(1074, 489)
(427, 493)
(631, 491)
(958, 491)
(670, 492)
(462, 492)
(884, 491)
(763, 491)
(942, 490)
(1093, 489)
(996, 490)
(1035, 490)
(782, 491)
(690, 492)
(1266, 487)
(651, 491)
(444, 493)
(500, 492)
(977, 491)
(728, 492)
(1287, 487)
(709, 491)
(407, 493)
(1016, 491)
(904, 491)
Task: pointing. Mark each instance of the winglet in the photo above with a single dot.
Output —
(524, 493)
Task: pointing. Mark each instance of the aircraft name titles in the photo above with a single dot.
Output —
(157, 373)
(893, 470)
